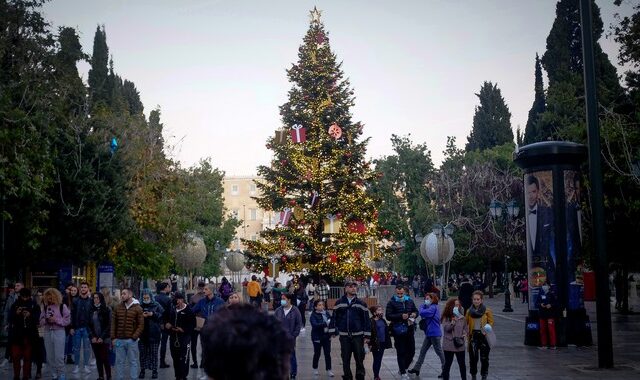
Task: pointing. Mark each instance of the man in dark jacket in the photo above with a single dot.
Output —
(291, 320)
(164, 299)
(353, 324)
(402, 312)
(465, 293)
(24, 317)
(80, 319)
(194, 337)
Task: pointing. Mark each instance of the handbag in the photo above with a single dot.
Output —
(458, 341)
(199, 323)
(491, 338)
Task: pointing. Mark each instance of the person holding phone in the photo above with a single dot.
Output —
(180, 324)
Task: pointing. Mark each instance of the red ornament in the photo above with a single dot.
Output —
(302, 222)
(320, 38)
(339, 215)
(357, 226)
(333, 258)
(301, 245)
(298, 133)
(356, 254)
(385, 232)
(283, 162)
(292, 202)
(375, 214)
(284, 258)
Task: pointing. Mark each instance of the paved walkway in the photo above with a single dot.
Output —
(509, 360)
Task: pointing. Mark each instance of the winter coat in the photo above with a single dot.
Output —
(396, 307)
(127, 322)
(165, 301)
(456, 327)
(374, 342)
(548, 299)
(151, 332)
(487, 317)
(102, 329)
(81, 312)
(22, 326)
(185, 319)
(206, 307)
(292, 322)
(353, 318)
(319, 328)
(431, 315)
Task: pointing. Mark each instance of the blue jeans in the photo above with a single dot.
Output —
(81, 337)
(377, 362)
(127, 351)
(294, 364)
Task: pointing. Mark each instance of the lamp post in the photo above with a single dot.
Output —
(274, 261)
(511, 211)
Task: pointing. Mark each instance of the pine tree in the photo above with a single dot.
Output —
(531, 133)
(492, 120)
(99, 72)
(322, 179)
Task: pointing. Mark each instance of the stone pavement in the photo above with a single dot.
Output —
(509, 360)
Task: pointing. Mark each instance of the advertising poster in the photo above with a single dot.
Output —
(575, 262)
(541, 255)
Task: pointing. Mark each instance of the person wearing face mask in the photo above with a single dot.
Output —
(100, 334)
(292, 323)
(149, 342)
(380, 338)
(480, 322)
(322, 329)
(180, 323)
(402, 312)
(430, 313)
(454, 326)
(546, 303)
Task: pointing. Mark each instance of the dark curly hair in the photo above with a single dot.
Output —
(240, 342)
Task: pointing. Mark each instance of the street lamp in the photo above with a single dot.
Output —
(274, 261)
(511, 211)
(437, 248)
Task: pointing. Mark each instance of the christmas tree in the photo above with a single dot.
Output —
(318, 176)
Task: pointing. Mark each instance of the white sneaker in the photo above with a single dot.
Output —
(92, 362)
(330, 374)
(205, 377)
(76, 369)
(316, 373)
(303, 330)
(87, 370)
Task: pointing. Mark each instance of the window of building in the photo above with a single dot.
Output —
(234, 190)
(254, 237)
(253, 214)
(252, 188)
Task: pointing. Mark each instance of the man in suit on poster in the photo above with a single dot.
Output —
(540, 232)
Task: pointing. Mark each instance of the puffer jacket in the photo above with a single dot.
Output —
(431, 315)
(127, 322)
(319, 328)
(396, 307)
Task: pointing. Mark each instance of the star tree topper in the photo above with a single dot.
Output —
(315, 15)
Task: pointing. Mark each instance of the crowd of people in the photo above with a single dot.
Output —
(127, 337)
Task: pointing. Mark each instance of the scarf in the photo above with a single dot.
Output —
(477, 313)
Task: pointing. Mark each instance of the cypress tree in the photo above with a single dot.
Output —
(531, 134)
(132, 98)
(492, 120)
(99, 72)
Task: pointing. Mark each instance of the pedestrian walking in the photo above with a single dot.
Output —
(301, 303)
(194, 337)
(322, 330)
(164, 299)
(433, 333)
(353, 325)
(71, 293)
(254, 292)
(13, 295)
(380, 338)
(24, 317)
(455, 331)
(127, 324)
(149, 341)
(480, 322)
(39, 352)
(524, 289)
(401, 311)
(100, 334)
(54, 317)
(465, 293)
(80, 317)
(546, 303)
(310, 291)
(292, 323)
(180, 323)
(322, 291)
(226, 289)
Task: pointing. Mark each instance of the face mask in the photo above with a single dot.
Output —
(545, 288)
(427, 302)
(283, 302)
(405, 298)
(456, 312)
(146, 301)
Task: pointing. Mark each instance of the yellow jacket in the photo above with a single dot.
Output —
(253, 289)
(487, 317)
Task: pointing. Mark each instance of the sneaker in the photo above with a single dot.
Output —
(414, 371)
(330, 374)
(205, 377)
(164, 365)
(316, 373)
(542, 348)
(554, 348)
(87, 370)
(76, 369)
(154, 374)
(303, 330)
(92, 362)
(194, 365)
(4, 363)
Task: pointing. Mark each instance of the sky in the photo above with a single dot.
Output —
(217, 68)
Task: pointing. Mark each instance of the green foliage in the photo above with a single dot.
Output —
(531, 133)
(99, 92)
(492, 120)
